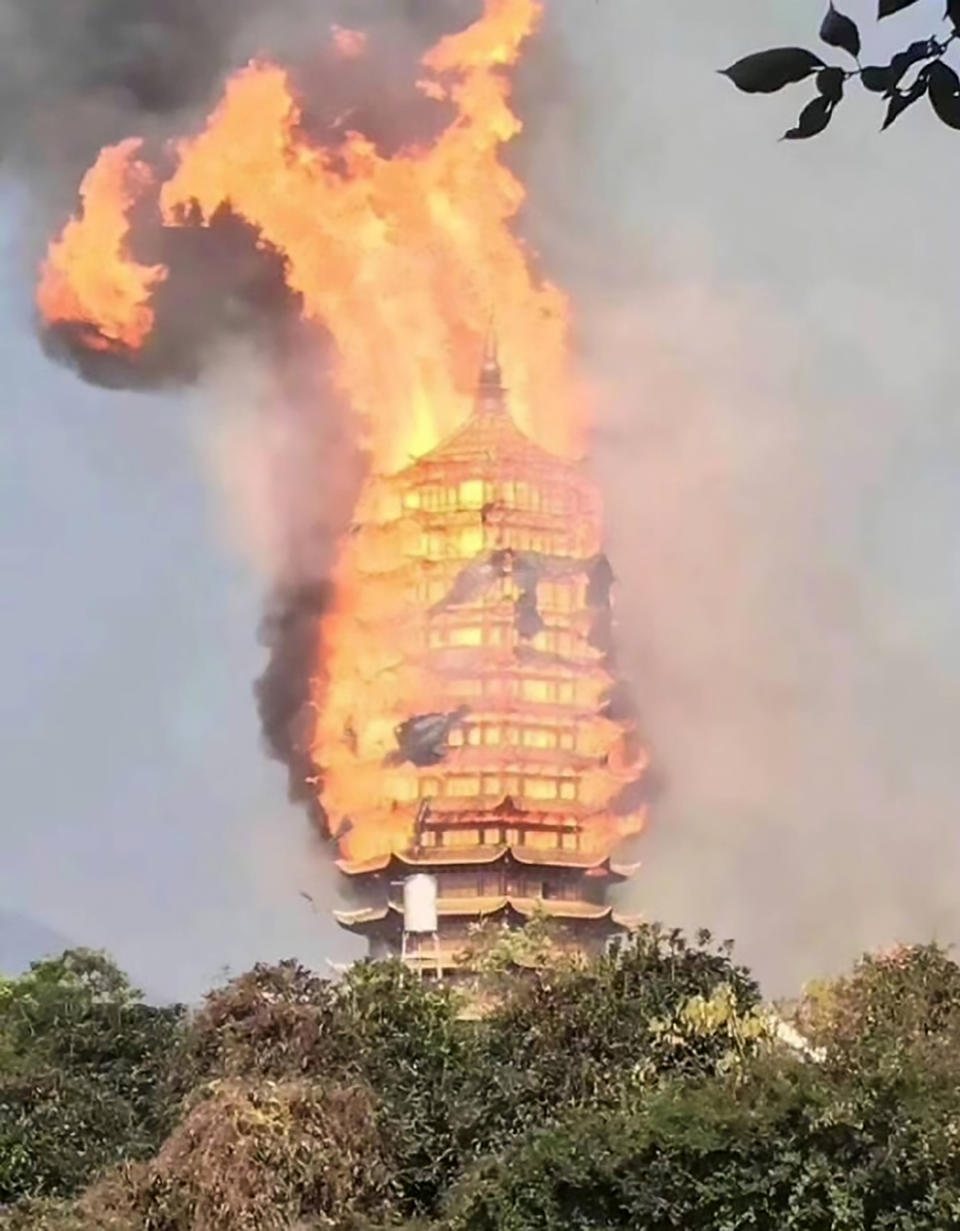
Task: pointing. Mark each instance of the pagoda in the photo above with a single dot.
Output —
(518, 769)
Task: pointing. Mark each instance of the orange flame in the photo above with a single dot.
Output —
(89, 276)
(404, 260)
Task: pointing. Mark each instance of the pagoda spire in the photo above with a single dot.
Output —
(491, 395)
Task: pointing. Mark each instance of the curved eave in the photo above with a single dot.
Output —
(484, 856)
(489, 908)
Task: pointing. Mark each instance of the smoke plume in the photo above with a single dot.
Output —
(770, 343)
(772, 349)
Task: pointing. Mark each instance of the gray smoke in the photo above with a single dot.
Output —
(77, 74)
(770, 327)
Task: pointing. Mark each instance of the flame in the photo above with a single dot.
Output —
(89, 276)
(403, 259)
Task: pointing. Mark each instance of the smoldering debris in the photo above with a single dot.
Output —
(423, 740)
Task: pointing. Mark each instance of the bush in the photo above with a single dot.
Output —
(261, 1155)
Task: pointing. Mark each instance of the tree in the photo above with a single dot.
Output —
(380, 1027)
(920, 70)
(83, 1065)
(593, 1033)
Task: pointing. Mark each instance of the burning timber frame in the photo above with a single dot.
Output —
(526, 771)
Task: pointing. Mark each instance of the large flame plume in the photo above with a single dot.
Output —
(401, 258)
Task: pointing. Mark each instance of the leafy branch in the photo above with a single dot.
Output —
(766, 72)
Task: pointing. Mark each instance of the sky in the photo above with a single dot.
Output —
(770, 328)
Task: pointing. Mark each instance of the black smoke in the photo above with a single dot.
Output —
(76, 75)
(291, 632)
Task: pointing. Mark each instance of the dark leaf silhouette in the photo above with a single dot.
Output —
(830, 83)
(944, 89)
(894, 6)
(839, 31)
(765, 72)
(903, 99)
(904, 60)
(917, 70)
(876, 79)
(813, 119)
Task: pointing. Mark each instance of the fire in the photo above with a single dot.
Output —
(403, 260)
(89, 276)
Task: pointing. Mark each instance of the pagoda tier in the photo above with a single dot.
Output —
(481, 736)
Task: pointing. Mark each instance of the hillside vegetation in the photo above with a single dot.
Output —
(647, 1089)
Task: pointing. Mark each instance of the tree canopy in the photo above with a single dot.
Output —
(648, 1088)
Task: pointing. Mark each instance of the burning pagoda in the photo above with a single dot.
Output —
(514, 768)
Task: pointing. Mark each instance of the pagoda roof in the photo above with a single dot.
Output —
(490, 907)
(476, 856)
(486, 437)
(490, 434)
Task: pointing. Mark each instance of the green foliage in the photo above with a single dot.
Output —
(260, 1156)
(593, 1034)
(380, 1026)
(643, 1089)
(83, 1064)
(782, 1148)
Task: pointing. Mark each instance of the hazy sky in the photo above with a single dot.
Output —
(774, 329)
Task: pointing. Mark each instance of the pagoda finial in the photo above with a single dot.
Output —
(490, 391)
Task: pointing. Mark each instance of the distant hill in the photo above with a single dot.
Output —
(23, 940)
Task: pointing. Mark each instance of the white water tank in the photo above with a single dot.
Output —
(420, 903)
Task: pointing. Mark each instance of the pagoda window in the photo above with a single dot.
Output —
(471, 493)
(491, 736)
(569, 842)
(567, 741)
(511, 784)
(540, 788)
(535, 690)
(428, 838)
(568, 788)
(565, 693)
(513, 837)
(404, 788)
(471, 541)
(429, 788)
(513, 735)
(461, 884)
(455, 738)
(474, 735)
(463, 787)
(492, 837)
(462, 837)
(437, 638)
(492, 786)
(466, 636)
